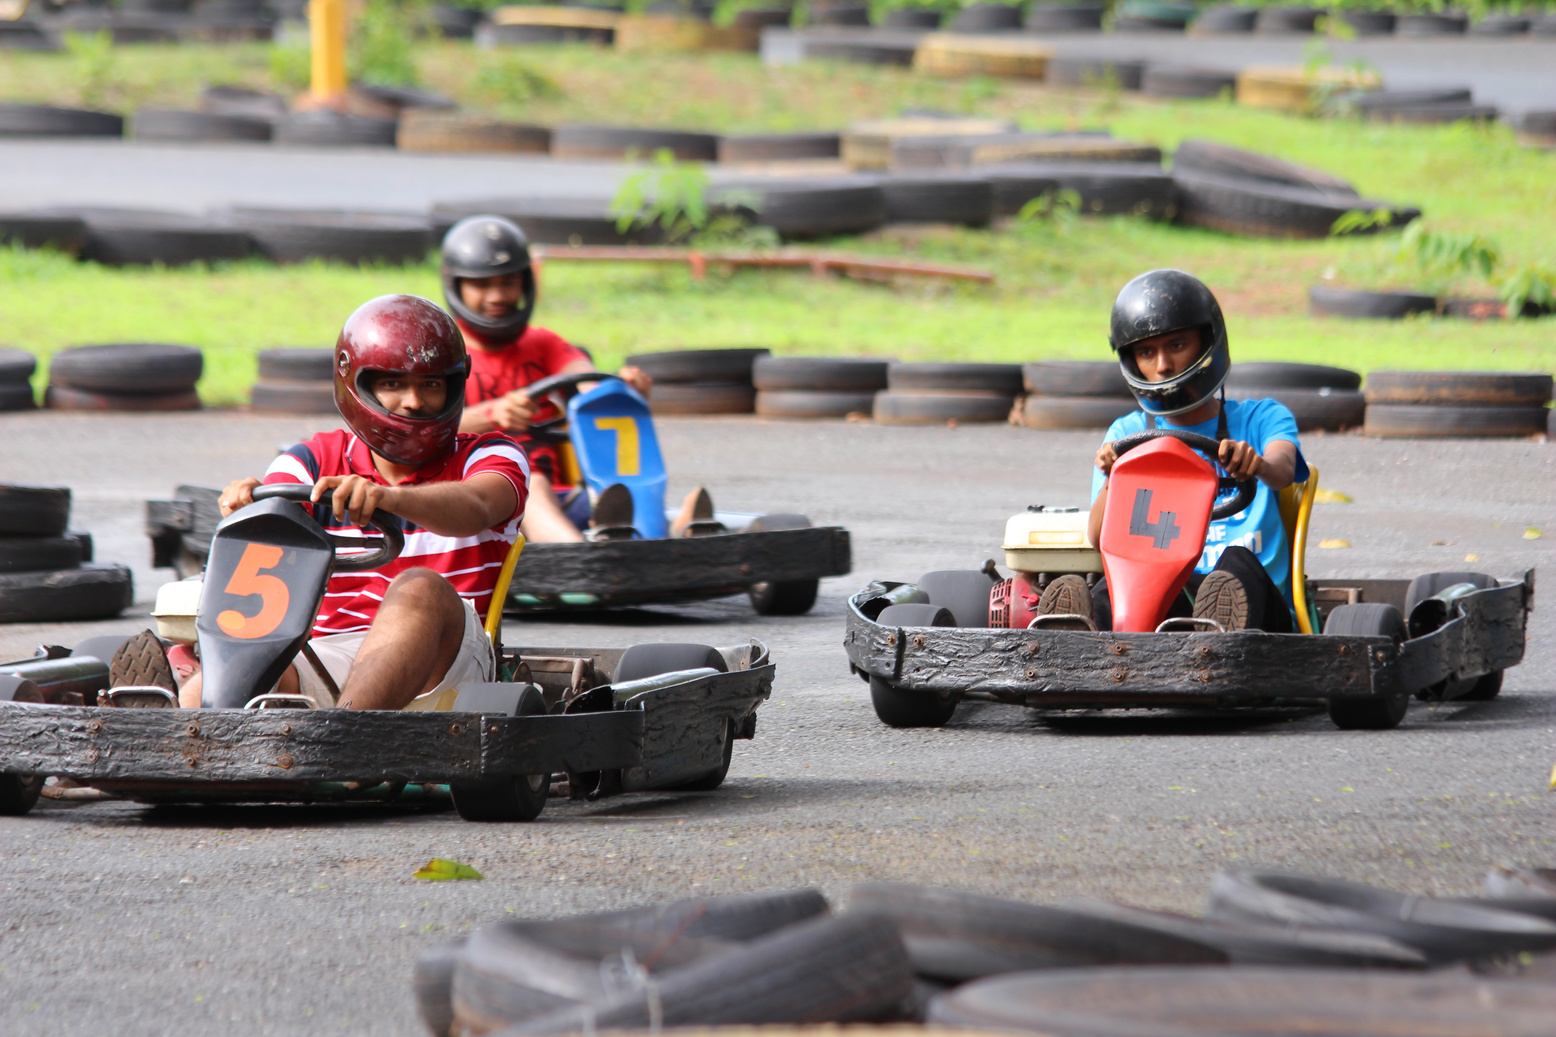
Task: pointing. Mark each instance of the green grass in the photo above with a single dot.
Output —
(1055, 283)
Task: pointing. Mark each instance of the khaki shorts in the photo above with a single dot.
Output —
(474, 664)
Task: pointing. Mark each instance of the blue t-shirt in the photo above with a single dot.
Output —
(1257, 527)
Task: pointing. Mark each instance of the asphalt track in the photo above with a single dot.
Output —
(131, 920)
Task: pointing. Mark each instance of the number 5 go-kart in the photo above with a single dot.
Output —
(656, 716)
(605, 435)
(966, 634)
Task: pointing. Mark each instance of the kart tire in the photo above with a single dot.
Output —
(34, 511)
(58, 397)
(432, 979)
(1420, 421)
(129, 368)
(94, 591)
(1095, 72)
(324, 128)
(1485, 688)
(166, 124)
(958, 198)
(805, 403)
(294, 397)
(1014, 187)
(702, 398)
(963, 592)
(651, 660)
(1266, 374)
(125, 237)
(1429, 585)
(42, 227)
(780, 147)
(19, 793)
(1468, 388)
(517, 797)
(1075, 378)
(296, 236)
(1346, 302)
(1169, 81)
(1368, 619)
(1332, 410)
(933, 408)
(698, 365)
(783, 597)
(901, 707)
(1004, 379)
(41, 120)
(1204, 158)
(1234, 205)
(33, 554)
(297, 365)
(1063, 412)
(617, 142)
(824, 374)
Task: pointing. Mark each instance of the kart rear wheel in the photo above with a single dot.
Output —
(1486, 687)
(18, 793)
(784, 598)
(903, 707)
(516, 797)
(1369, 619)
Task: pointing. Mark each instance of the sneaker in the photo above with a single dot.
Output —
(141, 662)
(1222, 598)
(1066, 595)
(696, 516)
(611, 518)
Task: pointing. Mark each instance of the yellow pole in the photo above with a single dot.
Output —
(327, 35)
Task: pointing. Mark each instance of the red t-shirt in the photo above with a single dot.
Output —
(536, 354)
(470, 563)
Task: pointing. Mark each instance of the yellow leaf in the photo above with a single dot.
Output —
(440, 870)
(1331, 497)
(1530, 533)
(1472, 557)
(1331, 545)
(1553, 777)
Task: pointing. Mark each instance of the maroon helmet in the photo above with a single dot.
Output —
(402, 334)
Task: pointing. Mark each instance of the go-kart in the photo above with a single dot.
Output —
(605, 435)
(607, 720)
(973, 634)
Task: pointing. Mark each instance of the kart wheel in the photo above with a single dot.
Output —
(518, 797)
(1369, 619)
(785, 598)
(18, 793)
(1486, 687)
(901, 707)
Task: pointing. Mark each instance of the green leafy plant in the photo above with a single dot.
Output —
(291, 63)
(1532, 285)
(673, 196)
(380, 50)
(1445, 254)
(1361, 221)
(507, 77)
(93, 57)
(1059, 209)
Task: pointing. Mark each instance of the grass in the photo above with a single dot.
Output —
(1056, 281)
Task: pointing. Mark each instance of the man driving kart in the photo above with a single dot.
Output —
(412, 626)
(1171, 341)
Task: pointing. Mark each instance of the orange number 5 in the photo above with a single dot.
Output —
(273, 594)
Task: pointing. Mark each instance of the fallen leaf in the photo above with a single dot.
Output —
(1331, 497)
(440, 870)
(1331, 545)
(1472, 557)
(1553, 777)
(1439, 543)
(1530, 533)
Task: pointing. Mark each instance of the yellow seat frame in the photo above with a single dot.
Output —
(1296, 508)
(500, 592)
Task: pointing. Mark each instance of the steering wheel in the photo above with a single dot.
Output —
(386, 547)
(557, 390)
(1194, 441)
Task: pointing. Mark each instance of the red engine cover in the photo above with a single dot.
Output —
(1013, 603)
(1159, 501)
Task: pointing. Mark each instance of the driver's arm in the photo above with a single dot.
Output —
(1276, 468)
(1105, 459)
(453, 509)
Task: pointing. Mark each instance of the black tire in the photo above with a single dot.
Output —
(1132, 23)
(819, 374)
(760, 18)
(489, 35)
(1466, 388)
(964, 592)
(804, 208)
(1225, 20)
(933, 408)
(1539, 124)
(34, 511)
(1501, 25)
(84, 539)
(1415, 421)
(240, 100)
(35, 554)
(170, 124)
(294, 397)
(1429, 585)
(16, 397)
(1289, 19)
(42, 227)
(1434, 114)
(985, 17)
(650, 660)
(17, 366)
(699, 365)
(1075, 378)
(403, 97)
(123, 237)
(1368, 619)
(324, 128)
(904, 707)
(1095, 72)
(553, 221)
(1013, 187)
(1331, 410)
(297, 364)
(432, 979)
(1004, 379)
(702, 398)
(829, 12)
(59, 397)
(509, 798)
(1114, 188)
(1060, 412)
(779, 147)
(41, 120)
(454, 23)
(1369, 23)
(1169, 81)
(1348, 302)
(804, 403)
(911, 18)
(1204, 158)
(439, 131)
(19, 793)
(1370, 101)
(617, 142)
(1431, 24)
(1267, 374)
(1250, 207)
(293, 236)
(1083, 17)
(135, 367)
(783, 597)
(94, 591)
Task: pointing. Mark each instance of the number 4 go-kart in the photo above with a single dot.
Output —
(967, 634)
(605, 435)
(647, 717)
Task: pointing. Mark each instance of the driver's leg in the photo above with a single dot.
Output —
(1240, 595)
(544, 521)
(412, 643)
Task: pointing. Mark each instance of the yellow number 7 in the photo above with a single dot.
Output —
(628, 455)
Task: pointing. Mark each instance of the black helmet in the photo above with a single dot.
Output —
(488, 246)
(1153, 304)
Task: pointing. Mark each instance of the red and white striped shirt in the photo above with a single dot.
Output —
(470, 563)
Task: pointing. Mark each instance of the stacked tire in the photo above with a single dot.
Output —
(135, 376)
(295, 381)
(46, 570)
(817, 387)
(1327, 399)
(700, 381)
(940, 393)
(1064, 394)
(1457, 404)
(16, 368)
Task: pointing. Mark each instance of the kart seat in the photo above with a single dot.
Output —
(1296, 507)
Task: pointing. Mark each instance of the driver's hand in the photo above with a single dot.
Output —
(512, 412)
(637, 378)
(237, 495)
(356, 497)
(1240, 460)
(1105, 458)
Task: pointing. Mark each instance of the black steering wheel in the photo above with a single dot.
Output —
(557, 390)
(1194, 441)
(385, 548)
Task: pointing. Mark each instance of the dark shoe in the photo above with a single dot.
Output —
(696, 516)
(613, 514)
(141, 663)
(1067, 595)
(1222, 598)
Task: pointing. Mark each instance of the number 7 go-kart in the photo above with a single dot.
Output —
(967, 634)
(658, 716)
(605, 435)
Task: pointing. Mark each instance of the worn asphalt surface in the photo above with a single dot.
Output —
(127, 919)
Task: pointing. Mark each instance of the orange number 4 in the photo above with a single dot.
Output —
(274, 595)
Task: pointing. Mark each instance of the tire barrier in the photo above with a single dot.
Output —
(912, 18)
(1457, 404)
(949, 54)
(328, 129)
(1224, 21)
(1048, 17)
(1096, 72)
(823, 374)
(1289, 20)
(705, 398)
(1114, 188)
(296, 236)
(1015, 186)
(929, 407)
(1073, 394)
(1204, 158)
(800, 209)
(813, 403)
(985, 17)
(128, 377)
(618, 142)
(41, 120)
(1000, 379)
(424, 130)
(700, 381)
(1258, 208)
(552, 221)
(779, 147)
(240, 100)
(295, 381)
(1346, 302)
(938, 198)
(164, 124)
(39, 228)
(1170, 81)
(834, 13)
(46, 570)
(120, 237)
(16, 371)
